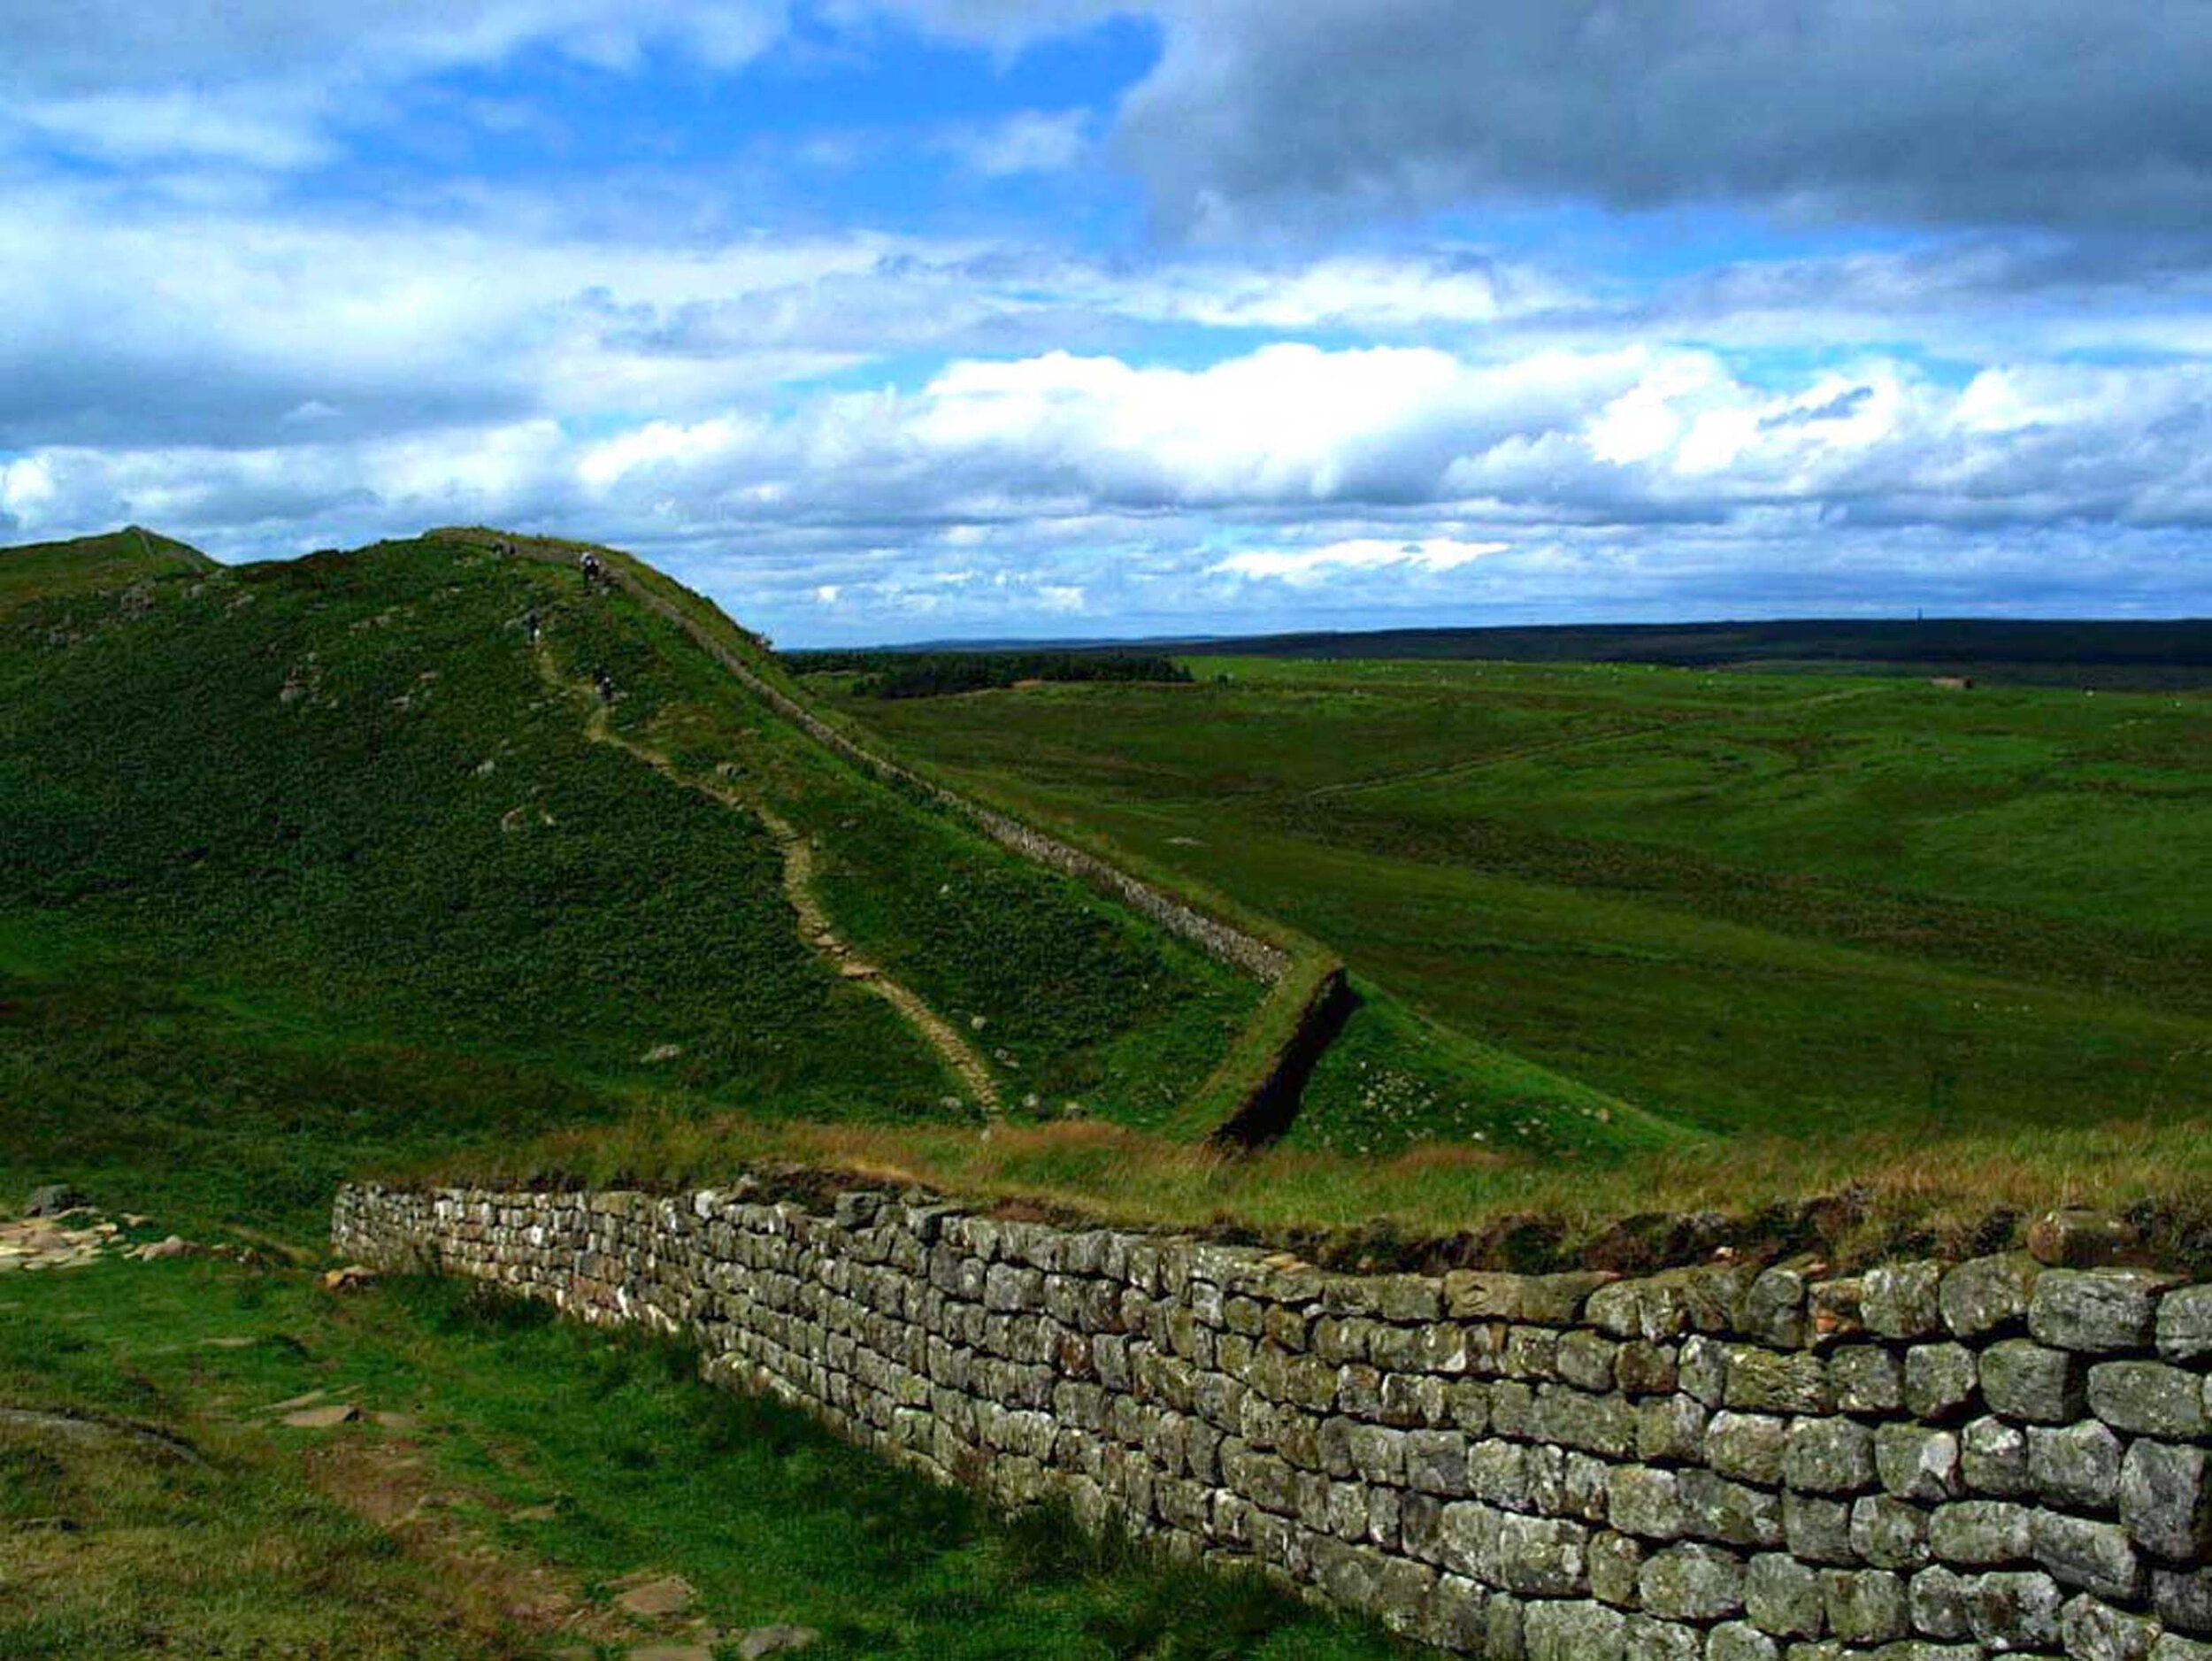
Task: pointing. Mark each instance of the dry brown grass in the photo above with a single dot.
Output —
(1860, 1196)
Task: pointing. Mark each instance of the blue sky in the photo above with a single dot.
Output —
(885, 319)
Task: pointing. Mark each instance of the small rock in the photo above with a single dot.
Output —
(659, 1053)
(351, 1278)
(173, 1247)
(323, 1418)
(658, 1598)
(777, 1640)
(2077, 1238)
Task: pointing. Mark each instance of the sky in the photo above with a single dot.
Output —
(888, 320)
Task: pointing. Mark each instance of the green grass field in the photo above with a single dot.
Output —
(1726, 903)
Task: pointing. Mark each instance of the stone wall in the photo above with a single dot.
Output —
(1723, 1464)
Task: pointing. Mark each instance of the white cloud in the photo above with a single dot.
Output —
(1305, 567)
(1028, 142)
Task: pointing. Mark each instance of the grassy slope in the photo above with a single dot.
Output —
(307, 868)
(1785, 904)
(535, 1466)
(37, 571)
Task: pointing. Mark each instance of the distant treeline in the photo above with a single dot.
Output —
(883, 675)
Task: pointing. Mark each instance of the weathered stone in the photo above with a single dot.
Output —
(1988, 1294)
(1596, 1424)
(2075, 1464)
(1671, 1429)
(1436, 1462)
(2171, 1645)
(2183, 1598)
(1747, 1447)
(1768, 1381)
(1981, 1534)
(1993, 1458)
(1646, 1502)
(1503, 1638)
(2184, 1324)
(1573, 1632)
(1900, 1300)
(2094, 1556)
(1616, 1563)
(1832, 1309)
(1691, 1583)
(1586, 1361)
(2148, 1398)
(1783, 1597)
(1650, 1640)
(1889, 1532)
(1829, 1456)
(1702, 1367)
(1739, 1641)
(1731, 1513)
(1937, 1600)
(1773, 1309)
(2072, 1238)
(1916, 1463)
(2095, 1310)
(1865, 1606)
(2094, 1631)
(2014, 1609)
(2166, 1501)
(1938, 1381)
(1866, 1379)
(2026, 1380)
(1818, 1530)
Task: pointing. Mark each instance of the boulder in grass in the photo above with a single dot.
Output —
(52, 1200)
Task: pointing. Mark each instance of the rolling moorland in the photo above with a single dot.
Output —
(434, 857)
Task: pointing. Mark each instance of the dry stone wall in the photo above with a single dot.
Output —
(1732, 1463)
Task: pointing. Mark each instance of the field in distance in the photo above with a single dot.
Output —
(1804, 905)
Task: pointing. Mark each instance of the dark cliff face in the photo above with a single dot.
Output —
(1987, 1456)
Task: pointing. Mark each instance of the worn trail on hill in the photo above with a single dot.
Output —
(815, 927)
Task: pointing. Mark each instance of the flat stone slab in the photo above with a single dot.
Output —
(323, 1418)
(658, 1598)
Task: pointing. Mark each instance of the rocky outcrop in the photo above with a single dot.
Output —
(1727, 1464)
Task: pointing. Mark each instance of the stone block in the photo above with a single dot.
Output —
(2184, 1324)
(1573, 1632)
(1987, 1295)
(1916, 1463)
(1747, 1447)
(1772, 1309)
(1783, 1597)
(1730, 1513)
(1739, 1641)
(1889, 1534)
(1866, 1379)
(1436, 1462)
(1772, 1381)
(2148, 1398)
(2171, 1645)
(1900, 1300)
(1647, 1502)
(1993, 1458)
(1936, 1598)
(2014, 1609)
(1865, 1606)
(1586, 1360)
(1981, 1534)
(2093, 1557)
(1596, 1424)
(2094, 1631)
(2095, 1311)
(1646, 1369)
(1458, 1614)
(1702, 1366)
(2075, 1464)
(2074, 1238)
(1616, 1563)
(1829, 1456)
(1938, 1381)
(1671, 1429)
(1818, 1530)
(1650, 1640)
(2183, 1598)
(2022, 1380)
(2166, 1501)
(1691, 1583)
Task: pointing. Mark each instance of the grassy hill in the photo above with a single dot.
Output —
(313, 863)
(1747, 905)
(45, 570)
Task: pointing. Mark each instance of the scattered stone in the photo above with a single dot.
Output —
(659, 1053)
(2077, 1238)
(159, 1250)
(658, 1598)
(323, 1418)
(759, 1641)
(349, 1279)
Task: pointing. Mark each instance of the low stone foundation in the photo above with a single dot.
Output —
(1723, 1464)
